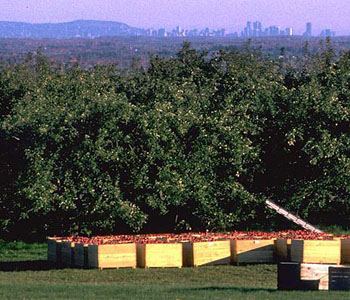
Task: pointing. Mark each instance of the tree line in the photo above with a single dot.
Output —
(194, 142)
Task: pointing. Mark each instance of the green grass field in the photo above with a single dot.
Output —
(25, 274)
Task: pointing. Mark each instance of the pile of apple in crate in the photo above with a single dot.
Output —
(198, 249)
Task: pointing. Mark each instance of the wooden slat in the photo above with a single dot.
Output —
(67, 253)
(207, 253)
(253, 251)
(318, 252)
(112, 256)
(81, 255)
(345, 251)
(159, 255)
(187, 254)
(282, 249)
(52, 250)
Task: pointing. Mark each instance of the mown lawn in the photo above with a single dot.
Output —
(25, 274)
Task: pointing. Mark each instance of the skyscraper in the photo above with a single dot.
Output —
(252, 29)
(257, 28)
(327, 32)
(274, 31)
(308, 31)
(249, 28)
(289, 31)
(161, 32)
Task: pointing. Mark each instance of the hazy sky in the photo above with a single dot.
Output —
(229, 14)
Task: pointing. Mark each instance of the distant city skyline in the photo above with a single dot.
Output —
(190, 14)
(95, 29)
(252, 29)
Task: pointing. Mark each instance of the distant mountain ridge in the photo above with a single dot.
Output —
(79, 28)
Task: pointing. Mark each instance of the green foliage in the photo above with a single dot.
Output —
(192, 143)
(309, 141)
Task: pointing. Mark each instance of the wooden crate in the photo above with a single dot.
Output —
(67, 253)
(253, 251)
(54, 250)
(339, 279)
(159, 255)
(282, 249)
(112, 256)
(81, 255)
(345, 251)
(206, 253)
(288, 276)
(317, 252)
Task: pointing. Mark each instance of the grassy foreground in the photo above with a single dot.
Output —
(25, 274)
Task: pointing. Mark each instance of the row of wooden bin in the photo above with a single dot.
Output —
(192, 254)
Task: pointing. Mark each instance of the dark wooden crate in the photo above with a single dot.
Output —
(288, 276)
(339, 279)
(81, 255)
(54, 250)
(67, 253)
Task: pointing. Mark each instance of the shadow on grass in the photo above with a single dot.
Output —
(28, 265)
(237, 289)
(244, 289)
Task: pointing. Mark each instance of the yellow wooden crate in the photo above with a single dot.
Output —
(206, 253)
(345, 251)
(282, 249)
(81, 255)
(67, 253)
(253, 251)
(112, 256)
(316, 251)
(159, 255)
(53, 250)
